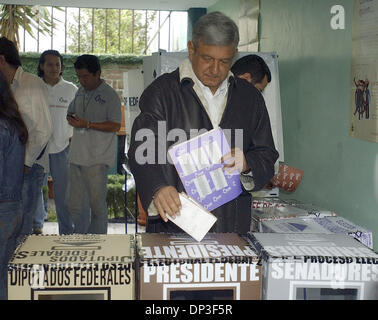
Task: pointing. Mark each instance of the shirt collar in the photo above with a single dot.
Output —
(221, 89)
(17, 76)
(186, 71)
(99, 88)
(56, 84)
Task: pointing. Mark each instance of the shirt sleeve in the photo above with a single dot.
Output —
(150, 176)
(38, 121)
(4, 141)
(247, 181)
(261, 155)
(73, 90)
(71, 106)
(114, 110)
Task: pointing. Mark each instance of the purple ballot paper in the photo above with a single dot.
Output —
(197, 162)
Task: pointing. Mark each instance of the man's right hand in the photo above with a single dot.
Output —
(167, 201)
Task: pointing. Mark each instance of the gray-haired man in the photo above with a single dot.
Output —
(203, 94)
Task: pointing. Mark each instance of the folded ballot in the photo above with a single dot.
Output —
(193, 219)
(198, 165)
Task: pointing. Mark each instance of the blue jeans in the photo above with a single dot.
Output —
(31, 192)
(41, 211)
(59, 174)
(10, 225)
(88, 185)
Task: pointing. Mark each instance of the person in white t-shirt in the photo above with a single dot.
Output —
(60, 94)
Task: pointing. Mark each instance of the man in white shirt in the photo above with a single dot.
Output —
(31, 96)
(60, 94)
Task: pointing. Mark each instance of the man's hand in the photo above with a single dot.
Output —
(269, 185)
(77, 122)
(166, 200)
(235, 160)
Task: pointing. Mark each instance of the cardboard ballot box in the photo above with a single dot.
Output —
(73, 267)
(263, 204)
(174, 267)
(276, 209)
(320, 225)
(316, 267)
(312, 210)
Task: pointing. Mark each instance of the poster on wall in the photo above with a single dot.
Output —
(364, 71)
(248, 25)
(132, 90)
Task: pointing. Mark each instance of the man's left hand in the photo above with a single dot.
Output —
(235, 160)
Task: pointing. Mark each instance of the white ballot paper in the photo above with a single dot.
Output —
(193, 219)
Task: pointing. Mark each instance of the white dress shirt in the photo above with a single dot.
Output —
(214, 104)
(31, 97)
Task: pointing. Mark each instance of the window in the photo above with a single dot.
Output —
(108, 31)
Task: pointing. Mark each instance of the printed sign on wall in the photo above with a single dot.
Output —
(364, 75)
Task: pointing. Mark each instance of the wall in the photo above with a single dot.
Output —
(229, 8)
(113, 75)
(340, 172)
